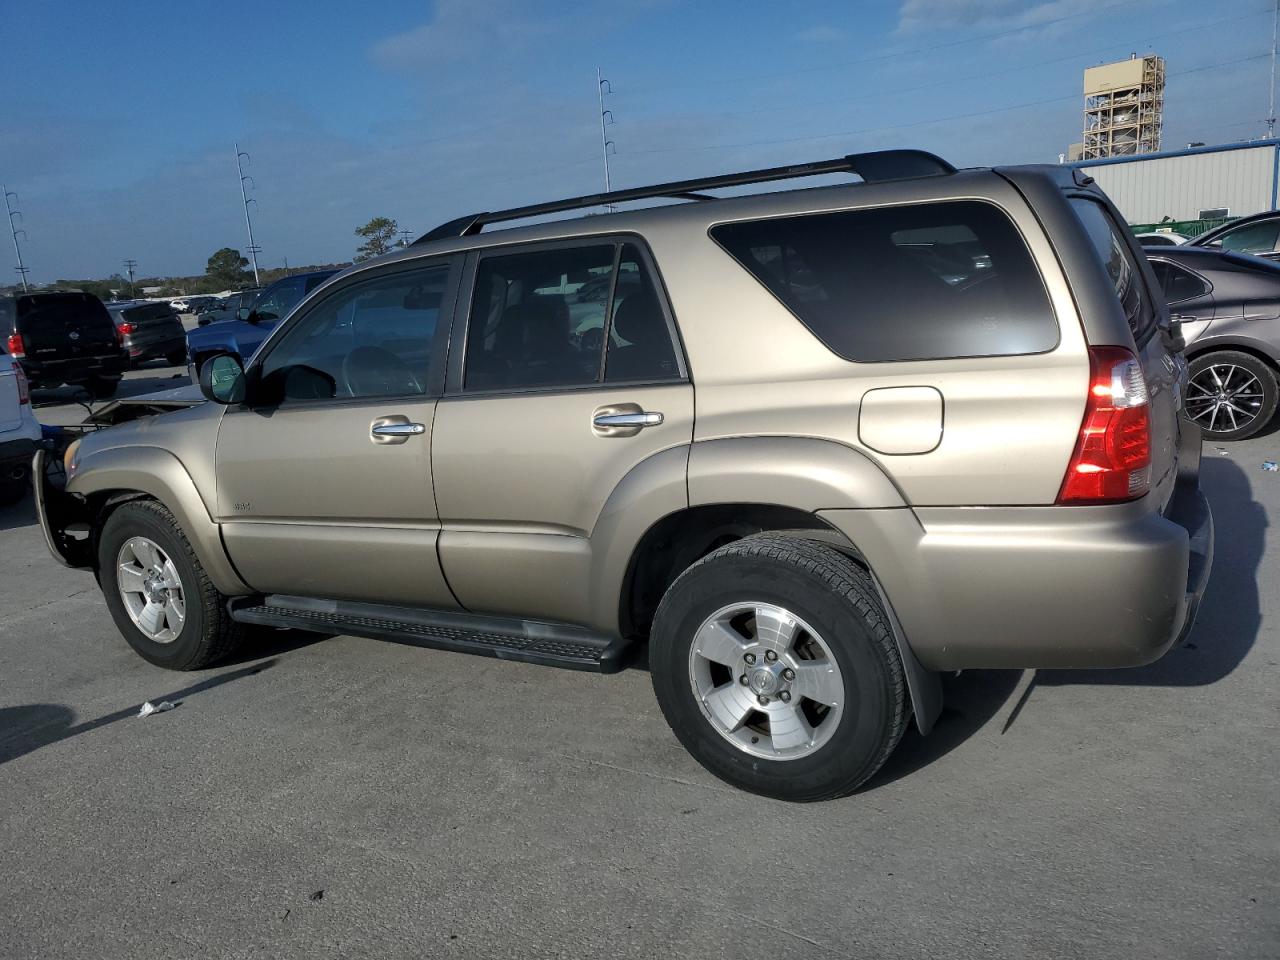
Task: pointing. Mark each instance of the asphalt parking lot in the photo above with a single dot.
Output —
(345, 797)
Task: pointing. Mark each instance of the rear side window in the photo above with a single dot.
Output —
(1113, 251)
(927, 281)
(1178, 284)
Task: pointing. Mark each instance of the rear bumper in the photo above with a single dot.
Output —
(153, 348)
(1028, 587)
(74, 370)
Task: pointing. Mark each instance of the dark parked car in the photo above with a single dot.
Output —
(1258, 235)
(226, 308)
(1229, 308)
(64, 338)
(241, 336)
(150, 331)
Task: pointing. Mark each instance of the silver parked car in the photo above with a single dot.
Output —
(812, 448)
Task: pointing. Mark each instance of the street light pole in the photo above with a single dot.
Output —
(248, 223)
(13, 229)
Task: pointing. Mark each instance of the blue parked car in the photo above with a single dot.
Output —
(253, 324)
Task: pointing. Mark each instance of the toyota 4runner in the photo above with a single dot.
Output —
(810, 447)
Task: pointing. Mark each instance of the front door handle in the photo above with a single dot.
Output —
(394, 429)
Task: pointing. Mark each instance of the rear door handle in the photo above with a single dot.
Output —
(394, 429)
(642, 419)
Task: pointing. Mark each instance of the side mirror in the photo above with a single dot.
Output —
(222, 379)
(244, 313)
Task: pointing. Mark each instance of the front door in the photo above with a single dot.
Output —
(567, 378)
(324, 487)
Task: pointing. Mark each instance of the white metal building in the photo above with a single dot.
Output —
(1193, 184)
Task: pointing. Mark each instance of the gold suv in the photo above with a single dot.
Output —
(810, 447)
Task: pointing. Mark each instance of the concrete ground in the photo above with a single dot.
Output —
(347, 798)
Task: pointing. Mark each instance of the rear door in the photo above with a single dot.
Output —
(565, 377)
(58, 326)
(1119, 252)
(1188, 295)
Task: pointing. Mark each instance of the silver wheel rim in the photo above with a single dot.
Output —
(151, 590)
(766, 681)
(1224, 397)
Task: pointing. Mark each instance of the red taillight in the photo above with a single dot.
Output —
(1112, 459)
(15, 346)
(24, 388)
(125, 328)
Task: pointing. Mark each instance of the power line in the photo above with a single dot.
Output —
(21, 268)
(254, 249)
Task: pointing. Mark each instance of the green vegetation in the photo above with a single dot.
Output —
(379, 238)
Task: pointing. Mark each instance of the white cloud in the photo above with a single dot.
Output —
(919, 15)
(465, 29)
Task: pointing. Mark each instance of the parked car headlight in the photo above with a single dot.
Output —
(69, 458)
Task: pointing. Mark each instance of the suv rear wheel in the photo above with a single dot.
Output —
(774, 664)
(158, 594)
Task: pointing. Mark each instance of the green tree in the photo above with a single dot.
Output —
(227, 268)
(378, 235)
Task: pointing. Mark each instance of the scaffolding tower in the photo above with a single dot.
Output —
(1123, 108)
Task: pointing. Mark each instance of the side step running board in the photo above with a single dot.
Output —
(530, 641)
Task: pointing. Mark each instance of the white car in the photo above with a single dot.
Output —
(19, 431)
(1162, 238)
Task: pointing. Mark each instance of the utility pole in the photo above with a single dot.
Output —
(13, 229)
(405, 235)
(129, 265)
(248, 223)
(606, 117)
(1271, 110)
(287, 271)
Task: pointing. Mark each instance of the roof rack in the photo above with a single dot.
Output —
(877, 166)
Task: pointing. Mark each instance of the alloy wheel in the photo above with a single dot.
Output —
(151, 589)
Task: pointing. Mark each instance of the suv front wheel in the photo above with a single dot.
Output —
(159, 596)
(775, 666)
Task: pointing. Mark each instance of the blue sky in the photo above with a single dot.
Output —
(119, 119)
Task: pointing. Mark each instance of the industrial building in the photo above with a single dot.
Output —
(1123, 109)
(1196, 184)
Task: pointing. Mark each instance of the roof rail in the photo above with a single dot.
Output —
(877, 166)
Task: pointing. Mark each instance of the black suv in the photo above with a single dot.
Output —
(64, 338)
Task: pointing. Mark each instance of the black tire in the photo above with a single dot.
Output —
(11, 491)
(837, 598)
(1194, 409)
(208, 633)
(103, 388)
(176, 358)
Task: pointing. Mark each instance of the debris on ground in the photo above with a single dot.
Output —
(1223, 452)
(1270, 466)
(149, 708)
(316, 897)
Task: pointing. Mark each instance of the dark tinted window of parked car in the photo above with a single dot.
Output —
(279, 299)
(371, 339)
(1112, 248)
(1178, 284)
(920, 282)
(1254, 238)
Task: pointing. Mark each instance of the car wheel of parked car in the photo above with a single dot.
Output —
(774, 663)
(11, 491)
(176, 358)
(157, 592)
(1231, 395)
(103, 388)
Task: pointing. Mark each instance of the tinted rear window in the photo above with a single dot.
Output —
(1113, 250)
(922, 282)
(60, 308)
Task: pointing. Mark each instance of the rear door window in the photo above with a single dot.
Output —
(920, 282)
(1112, 248)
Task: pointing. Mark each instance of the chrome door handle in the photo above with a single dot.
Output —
(642, 419)
(395, 429)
